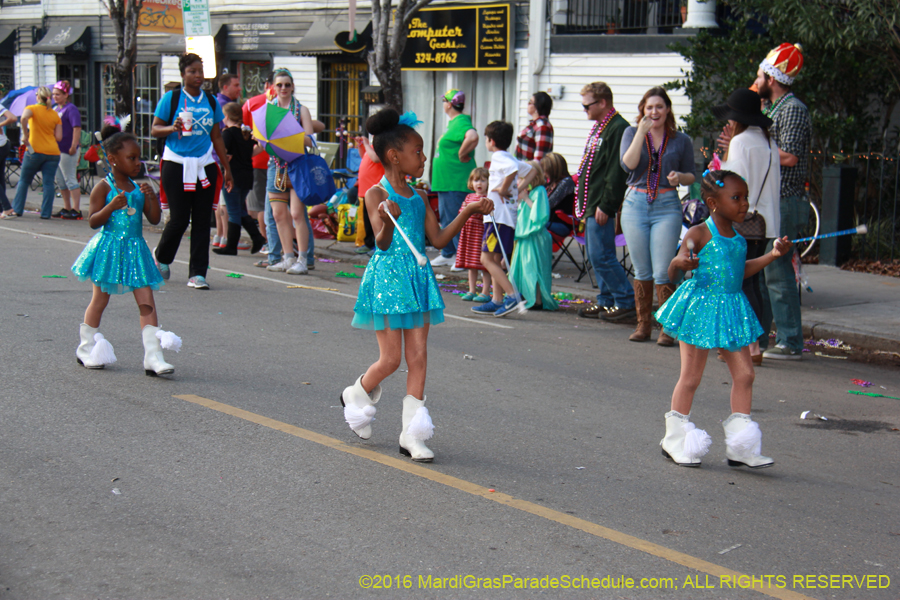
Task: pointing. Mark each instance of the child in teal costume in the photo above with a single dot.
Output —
(710, 311)
(398, 298)
(530, 268)
(117, 259)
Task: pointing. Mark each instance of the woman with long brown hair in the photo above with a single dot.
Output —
(657, 159)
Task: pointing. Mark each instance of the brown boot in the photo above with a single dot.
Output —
(643, 300)
(662, 293)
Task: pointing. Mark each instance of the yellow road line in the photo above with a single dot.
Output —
(462, 485)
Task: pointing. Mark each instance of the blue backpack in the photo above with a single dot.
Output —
(312, 179)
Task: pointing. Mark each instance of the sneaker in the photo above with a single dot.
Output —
(243, 245)
(163, 269)
(62, 214)
(198, 282)
(280, 267)
(782, 352)
(443, 261)
(455, 269)
(216, 242)
(487, 309)
(298, 268)
(617, 314)
(261, 263)
(311, 264)
(509, 304)
(264, 249)
(73, 215)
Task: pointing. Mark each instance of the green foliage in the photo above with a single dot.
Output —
(846, 81)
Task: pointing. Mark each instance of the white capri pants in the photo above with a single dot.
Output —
(65, 174)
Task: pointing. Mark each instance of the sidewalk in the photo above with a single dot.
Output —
(861, 309)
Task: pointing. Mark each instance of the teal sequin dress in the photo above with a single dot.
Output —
(395, 292)
(117, 259)
(710, 310)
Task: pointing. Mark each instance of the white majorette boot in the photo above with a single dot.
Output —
(359, 408)
(94, 351)
(743, 442)
(155, 339)
(417, 427)
(684, 444)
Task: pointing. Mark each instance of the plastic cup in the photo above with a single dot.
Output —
(187, 122)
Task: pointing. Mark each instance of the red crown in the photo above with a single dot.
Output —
(787, 58)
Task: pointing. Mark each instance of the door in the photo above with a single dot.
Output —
(341, 106)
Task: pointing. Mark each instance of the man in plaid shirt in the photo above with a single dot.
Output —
(536, 139)
(791, 130)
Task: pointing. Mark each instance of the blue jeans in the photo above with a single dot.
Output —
(611, 277)
(274, 241)
(449, 204)
(47, 165)
(4, 201)
(651, 231)
(781, 297)
(235, 202)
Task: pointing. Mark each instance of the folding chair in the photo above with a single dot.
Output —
(563, 245)
(13, 167)
(349, 175)
(328, 150)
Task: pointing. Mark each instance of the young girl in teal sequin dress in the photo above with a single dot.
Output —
(710, 311)
(399, 299)
(117, 259)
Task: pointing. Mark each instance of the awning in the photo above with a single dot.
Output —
(319, 40)
(175, 43)
(75, 39)
(7, 42)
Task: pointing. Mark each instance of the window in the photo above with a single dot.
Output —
(146, 97)
(622, 16)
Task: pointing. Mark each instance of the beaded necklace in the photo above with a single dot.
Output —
(590, 148)
(653, 176)
(770, 112)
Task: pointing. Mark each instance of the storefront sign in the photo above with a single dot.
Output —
(459, 38)
(196, 18)
(163, 16)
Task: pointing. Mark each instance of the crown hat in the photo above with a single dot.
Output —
(783, 63)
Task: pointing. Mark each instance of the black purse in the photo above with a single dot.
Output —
(754, 225)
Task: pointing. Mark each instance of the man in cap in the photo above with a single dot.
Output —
(791, 130)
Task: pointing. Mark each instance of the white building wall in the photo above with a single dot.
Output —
(168, 70)
(306, 76)
(74, 8)
(23, 64)
(46, 69)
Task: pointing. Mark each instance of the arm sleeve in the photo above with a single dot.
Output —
(563, 189)
(627, 138)
(230, 142)
(794, 130)
(686, 163)
(218, 115)
(608, 186)
(74, 118)
(164, 108)
(543, 141)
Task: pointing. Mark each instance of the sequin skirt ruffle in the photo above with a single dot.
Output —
(397, 293)
(118, 266)
(708, 319)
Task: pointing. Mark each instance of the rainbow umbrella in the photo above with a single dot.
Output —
(16, 100)
(277, 128)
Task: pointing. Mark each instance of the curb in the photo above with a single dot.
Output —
(857, 339)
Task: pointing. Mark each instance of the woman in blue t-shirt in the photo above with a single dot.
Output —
(189, 172)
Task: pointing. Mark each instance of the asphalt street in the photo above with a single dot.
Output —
(237, 476)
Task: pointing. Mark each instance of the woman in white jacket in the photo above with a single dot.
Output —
(753, 155)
